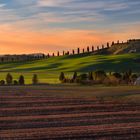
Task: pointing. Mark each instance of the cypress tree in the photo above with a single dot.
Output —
(62, 76)
(9, 79)
(21, 80)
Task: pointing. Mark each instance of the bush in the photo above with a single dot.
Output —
(35, 79)
(2, 82)
(9, 79)
(111, 80)
(117, 75)
(15, 82)
(62, 77)
(99, 76)
(21, 80)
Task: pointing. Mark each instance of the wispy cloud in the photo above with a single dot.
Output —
(67, 22)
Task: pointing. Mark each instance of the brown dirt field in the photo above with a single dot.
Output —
(65, 112)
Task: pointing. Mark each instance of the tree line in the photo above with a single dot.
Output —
(101, 77)
(21, 80)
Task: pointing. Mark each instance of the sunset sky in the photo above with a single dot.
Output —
(31, 26)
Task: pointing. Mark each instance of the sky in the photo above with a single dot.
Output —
(46, 26)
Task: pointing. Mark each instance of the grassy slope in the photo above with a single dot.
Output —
(50, 68)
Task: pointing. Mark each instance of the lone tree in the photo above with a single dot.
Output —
(103, 47)
(9, 79)
(63, 53)
(74, 76)
(83, 50)
(113, 43)
(48, 55)
(62, 76)
(87, 48)
(35, 79)
(21, 80)
(107, 44)
(73, 52)
(92, 48)
(78, 50)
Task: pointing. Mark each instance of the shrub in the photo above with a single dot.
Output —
(99, 75)
(2, 82)
(62, 76)
(15, 82)
(9, 79)
(117, 75)
(35, 79)
(21, 80)
(111, 80)
(82, 77)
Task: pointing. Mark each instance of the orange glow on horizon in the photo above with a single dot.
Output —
(17, 41)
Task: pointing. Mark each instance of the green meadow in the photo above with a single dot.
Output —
(48, 70)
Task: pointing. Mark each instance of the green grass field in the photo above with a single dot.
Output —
(48, 70)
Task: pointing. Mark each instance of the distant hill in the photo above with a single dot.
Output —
(80, 63)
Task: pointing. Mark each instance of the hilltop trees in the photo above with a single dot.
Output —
(108, 45)
(83, 50)
(73, 52)
(78, 50)
(113, 43)
(92, 48)
(88, 49)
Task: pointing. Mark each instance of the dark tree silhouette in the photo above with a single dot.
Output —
(90, 76)
(87, 48)
(58, 53)
(83, 50)
(92, 48)
(62, 76)
(103, 47)
(21, 80)
(113, 43)
(78, 50)
(108, 45)
(98, 48)
(73, 52)
(2, 82)
(48, 55)
(15, 82)
(9, 79)
(74, 76)
(53, 54)
(63, 53)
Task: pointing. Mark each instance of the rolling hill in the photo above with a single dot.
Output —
(81, 63)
